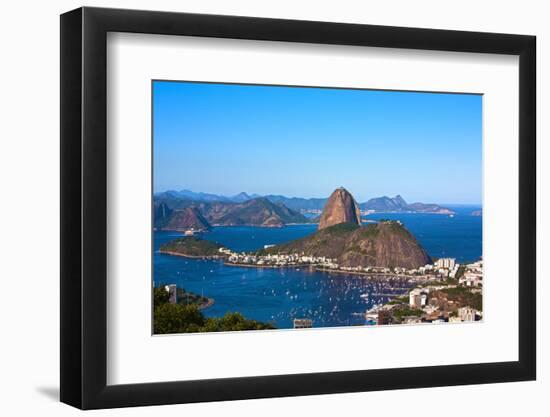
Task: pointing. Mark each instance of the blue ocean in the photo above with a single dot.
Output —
(280, 295)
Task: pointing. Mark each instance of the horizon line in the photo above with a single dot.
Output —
(259, 195)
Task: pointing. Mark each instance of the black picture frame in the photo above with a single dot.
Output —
(84, 207)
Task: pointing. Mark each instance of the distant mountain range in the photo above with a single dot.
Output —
(384, 203)
(398, 204)
(186, 198)
(294, 203)
(191, 195)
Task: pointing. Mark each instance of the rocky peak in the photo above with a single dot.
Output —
(341, 207)
(188, 218)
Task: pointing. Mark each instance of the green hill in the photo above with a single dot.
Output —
(192, 247)
(384, 244)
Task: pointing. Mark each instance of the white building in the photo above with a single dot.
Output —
(443, 272)
(448, 263)
(471, 279)
(414, 297)
(467, 314)
(171, 289)
(302, 323)
(418, 298)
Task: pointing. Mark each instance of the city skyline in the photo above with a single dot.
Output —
(305, 142)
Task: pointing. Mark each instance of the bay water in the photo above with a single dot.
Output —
(279, 295)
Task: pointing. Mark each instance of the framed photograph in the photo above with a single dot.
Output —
(258, 208)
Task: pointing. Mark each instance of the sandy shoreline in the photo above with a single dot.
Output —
(306, 266)
(267, 266)
(389, 274)
(328, 270)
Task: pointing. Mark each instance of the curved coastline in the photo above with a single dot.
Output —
(389, 275)
(184, 255)
(373, 274)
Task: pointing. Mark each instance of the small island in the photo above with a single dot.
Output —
(193, 247)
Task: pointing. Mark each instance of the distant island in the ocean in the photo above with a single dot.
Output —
(186, 210)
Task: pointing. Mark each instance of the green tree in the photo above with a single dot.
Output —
(464, 297)
(185, 317)
(160, 296)
(233, 322)
(401, 312)
(177, 318)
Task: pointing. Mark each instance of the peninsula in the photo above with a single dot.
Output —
(192, 247)
(341, 237)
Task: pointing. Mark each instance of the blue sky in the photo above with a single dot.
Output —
(305, 142)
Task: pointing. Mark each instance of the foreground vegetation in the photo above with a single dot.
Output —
(186, 317)
(464, 297)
